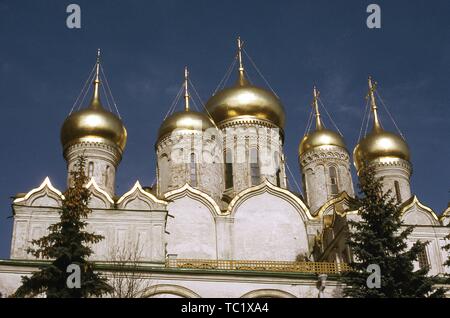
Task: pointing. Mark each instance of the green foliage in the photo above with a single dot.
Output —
(381, 238)
(67, 243)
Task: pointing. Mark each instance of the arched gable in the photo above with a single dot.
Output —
(195, 194)
(100, 199)
(416, 213)
(139, 199)
(268, 187)
(338, 204)
(44, 195)
(268, 293)
(170, 290)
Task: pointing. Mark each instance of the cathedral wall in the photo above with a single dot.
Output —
(427, 229)
(434, 253)
(266, 227)
(10, 278)
(197, 285)
(139, 231)
(136, 234)
(160, 283)
(243, 286)
(30, 223)
(191, 230)
(224, 228)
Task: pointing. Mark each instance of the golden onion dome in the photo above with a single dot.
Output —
(320, 137)
(94, 124)
(379, 144)
(245, 102)
(185, 121)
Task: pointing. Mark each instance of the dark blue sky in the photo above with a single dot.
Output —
(146, 44)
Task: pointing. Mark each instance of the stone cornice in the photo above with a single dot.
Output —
(324, 153)
(392, 162)
(169, 138)
(249, 121)
(108, 147)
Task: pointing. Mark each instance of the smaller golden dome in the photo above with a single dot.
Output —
(94, 123)
(185, 120)
(380, 144)
(319, 138)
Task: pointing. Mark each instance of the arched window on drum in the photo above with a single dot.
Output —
(334, 187)
(90, 173)
(228, 168)
(254, 167)
(193, 171)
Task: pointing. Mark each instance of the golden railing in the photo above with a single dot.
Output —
(270, 266)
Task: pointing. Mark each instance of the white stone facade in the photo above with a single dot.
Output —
(101, 164)
(249, 144)
(316, 166)
(262, 223)
(396, 174)
(174, 167)
(256, 218)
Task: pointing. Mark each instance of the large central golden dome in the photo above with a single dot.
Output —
(245, 101)
(94, 123)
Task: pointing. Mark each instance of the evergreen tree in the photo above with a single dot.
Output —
(380, 238)
(67, 243)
